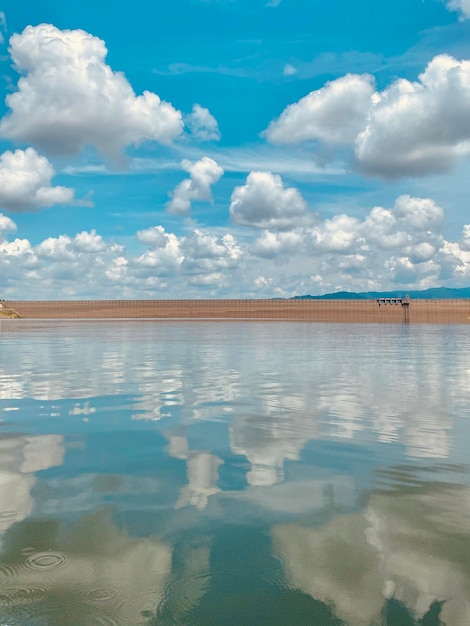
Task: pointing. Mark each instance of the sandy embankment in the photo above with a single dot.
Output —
(7, 313)
(354, 311)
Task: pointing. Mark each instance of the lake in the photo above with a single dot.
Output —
(207, 473)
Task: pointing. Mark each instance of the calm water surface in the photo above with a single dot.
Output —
(225, 473)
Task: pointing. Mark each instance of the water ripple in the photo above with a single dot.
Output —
(7, 515)
(105, 620)
(101, 594)
(14, 595)
(46, 560)
(8, 569)
(182, 590)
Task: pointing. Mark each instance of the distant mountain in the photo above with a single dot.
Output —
(437, 293)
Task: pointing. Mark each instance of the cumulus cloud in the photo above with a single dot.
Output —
(89, 242)
(397, 247)
(274, 245)
(57, 248)
(58, 267)
(199, 260)
(6, 224)
(465, 237)
(463, 6)
(198, 255)
(117, 269)
(164, 254)
(263, 202)
(419, 127)
(409, 129)
(68, 248)
(334, 114)
(25, 182)
(202, 175)
(202, 124)
(338, 234)
(420, 214)
(68, 97)
(20, 248)
(413, 227)
(207, 254)
(403, 245)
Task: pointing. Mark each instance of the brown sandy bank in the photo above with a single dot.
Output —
(354, 311)
(7, 313)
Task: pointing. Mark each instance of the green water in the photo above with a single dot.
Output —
(226, 473)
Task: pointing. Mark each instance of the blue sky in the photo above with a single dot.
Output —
(233, 148)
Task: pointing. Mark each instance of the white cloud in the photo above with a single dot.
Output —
(334, 114)
(89, 242)
(6, 224)
(397, 247)
(17, 248)
(289, 70)
(415, 128)
(164, 254)
(206, 254)
(412, 227)
(460, 5)
(202, 175)
(338, 234)
(202, 124)
(264, 203)
(153, 237)
(297, 163)
(409, 129)
(3, 26)
(57, 248)
(402, 246)
(25, 182)
(65, 248)
(59, 267)
(260, 282)
(117, 269)
(419, 214)
(68, 97)
(199, 259)
(274, 245)
(206, 280)
(465, 237)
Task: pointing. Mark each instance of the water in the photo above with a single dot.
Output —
(225, 473)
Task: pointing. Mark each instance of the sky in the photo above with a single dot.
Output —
(233, 148)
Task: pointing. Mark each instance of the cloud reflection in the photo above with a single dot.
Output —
(189, 425)
(405, 545)
(90, 574)
(304, 381)
(20, 459)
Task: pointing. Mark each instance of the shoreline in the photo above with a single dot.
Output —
(344, 311)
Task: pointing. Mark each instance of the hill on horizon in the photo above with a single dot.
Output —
(437, 293)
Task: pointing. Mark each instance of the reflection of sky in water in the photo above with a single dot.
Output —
(340, 450)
